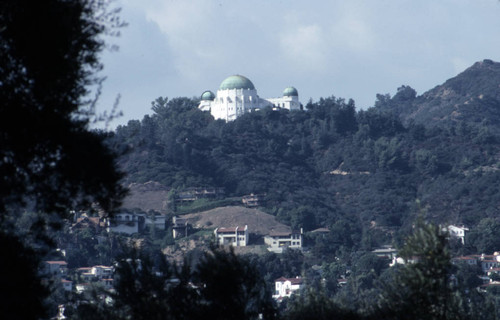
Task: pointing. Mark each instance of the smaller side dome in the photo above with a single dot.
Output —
(208, 95)
(290, 92)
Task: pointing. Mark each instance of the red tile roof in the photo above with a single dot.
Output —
(297, 280)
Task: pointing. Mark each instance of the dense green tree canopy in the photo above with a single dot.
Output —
(358, 173)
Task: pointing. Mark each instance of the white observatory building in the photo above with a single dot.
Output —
(237, 95)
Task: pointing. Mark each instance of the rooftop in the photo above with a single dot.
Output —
(236, 82)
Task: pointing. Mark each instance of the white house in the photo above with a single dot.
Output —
(102, 271)
(458, 232)
(237, 237)
(179, 227)
(82, 287)
(67, 285)
(285, 287)
(237, 95)
(277, 241)
(386, 251)
(96, 272)
(130, 223)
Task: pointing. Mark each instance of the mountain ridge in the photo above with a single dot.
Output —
(473, 96)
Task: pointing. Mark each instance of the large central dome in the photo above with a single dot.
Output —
(236, 82)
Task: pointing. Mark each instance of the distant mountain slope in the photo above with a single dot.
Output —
(472, 96)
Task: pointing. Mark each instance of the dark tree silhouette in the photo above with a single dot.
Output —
(221, 285)
(50, 161)
(49, 59)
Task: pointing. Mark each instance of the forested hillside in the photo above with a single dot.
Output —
(362, 174)
(472, 96)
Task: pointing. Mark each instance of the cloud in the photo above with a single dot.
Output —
(187, 27)
(352, 29)
(305, 46)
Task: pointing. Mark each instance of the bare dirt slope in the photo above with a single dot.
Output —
(146, 196)
(259, 223)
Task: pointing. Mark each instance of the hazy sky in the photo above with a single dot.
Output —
(349, 49)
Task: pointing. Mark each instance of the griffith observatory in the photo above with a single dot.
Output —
(237, 96)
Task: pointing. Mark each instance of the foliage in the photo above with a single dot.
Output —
(231, 288)
(423, 287)
(49, 58)
(356, 173)
(20, 263)
(220, 286)
(484, 237)
(316, 305)
(50, 162)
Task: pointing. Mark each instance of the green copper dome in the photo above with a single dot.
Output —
(290, 92)
(236, 82)
(208, 95)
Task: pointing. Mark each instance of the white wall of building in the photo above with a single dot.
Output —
(230, 104)
(237, 237)
(285, 287)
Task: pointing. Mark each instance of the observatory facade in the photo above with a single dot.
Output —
(237, 95)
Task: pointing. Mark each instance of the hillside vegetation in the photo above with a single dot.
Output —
(363, 174)
(472, 96)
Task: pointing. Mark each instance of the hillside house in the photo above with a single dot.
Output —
(253, 200)
(67, 285)
(82, 287)
(85, 273)
(85, 222)
(130, 223)
(55, 268)
(470, 260)
(386, 251)
(88, 274)
(457, 232)
(179, 227)
(493, 271)
(285, 287)
(237, 237)
(192, 194)
(101, 272)
(488, 262)
(277, 241)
